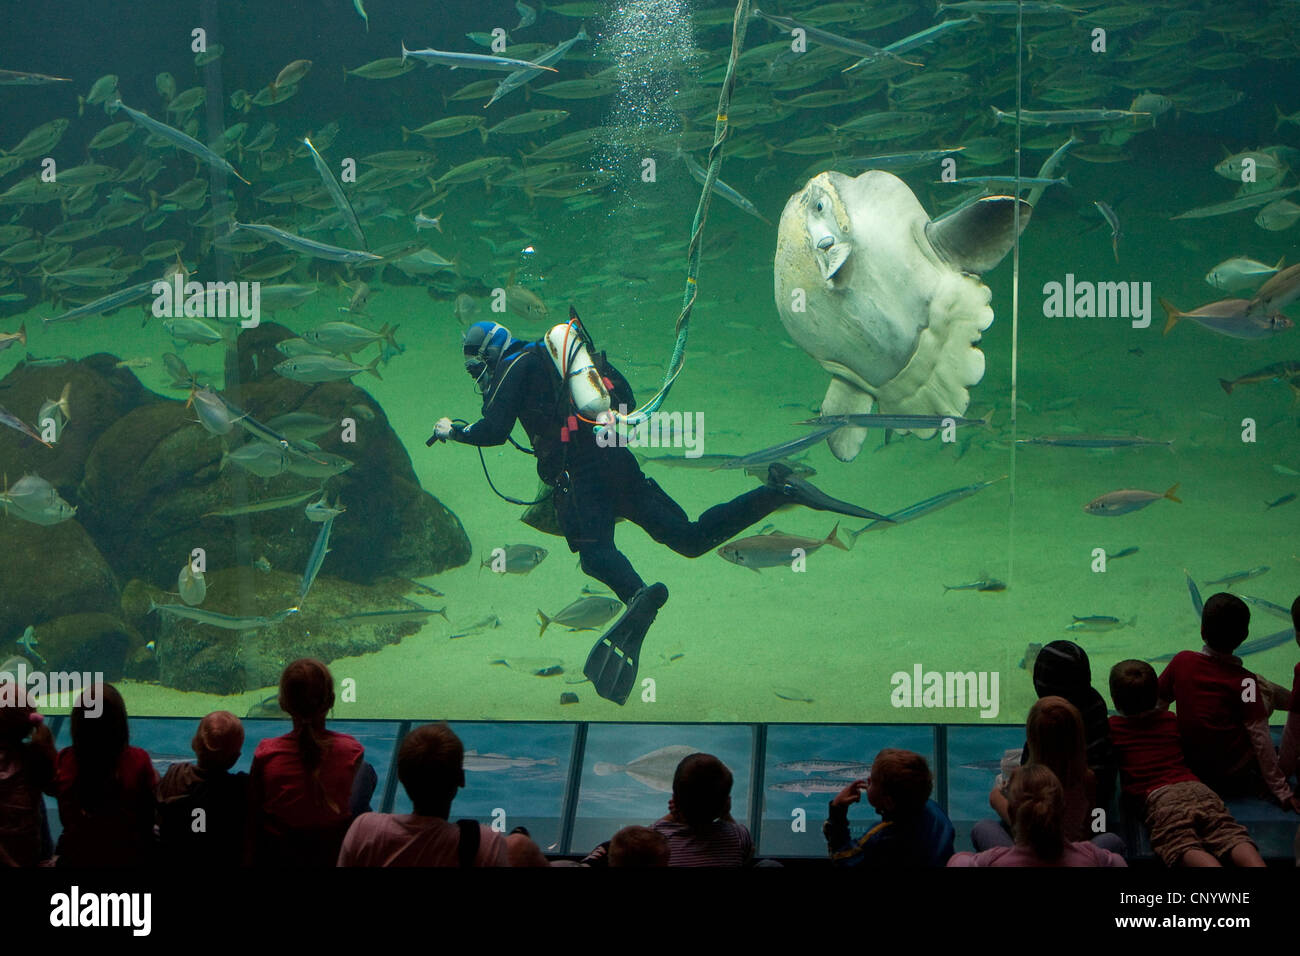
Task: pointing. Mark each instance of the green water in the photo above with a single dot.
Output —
(732, 645)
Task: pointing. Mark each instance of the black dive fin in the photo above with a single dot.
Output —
(612, 664)
(781, 478)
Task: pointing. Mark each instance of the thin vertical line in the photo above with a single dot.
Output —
(1015, 306)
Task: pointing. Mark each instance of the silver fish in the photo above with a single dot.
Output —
(1230, 579)
(178, 139)
(223, 621)
(472, 61)
(1278, 292)
(292, 348)
(315, 560)
(10, 420)
(1092, 441)
(777, 452)
(584, 614)
(519, 558)
(192, 330)
(487, 623)
(301, 425)
(868, 52)
(774, 550)
(1275, 609)
(983, 584)
(537, 666)
(721, 189)
(520, 77)
(894, 161)
(315, 463)
(1097, 623)
(347, 338)
(320, 511)
(104, 304)
(34, 499)
(1127, 500)
(929, 505)
(307, 247)
(20, 78)
(323, 368)
(1043, 181)
(1235, 318)
(408, 615)
(336, 193)
(259, 458)
(1049, 167)
(1239, 274)
(1113, 221)
(191, 586)
(1249, 201)
(257, 507)
(1065, 117)
(214, 414)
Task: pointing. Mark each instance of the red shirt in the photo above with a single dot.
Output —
(118, 834)
(1148, 753)
(1295, 691)
(1212, 717)
(290, 798)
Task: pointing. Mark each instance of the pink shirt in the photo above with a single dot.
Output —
(1076, 854)
(404, 839)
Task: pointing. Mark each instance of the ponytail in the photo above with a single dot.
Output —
(1037, 809)
(307, 695)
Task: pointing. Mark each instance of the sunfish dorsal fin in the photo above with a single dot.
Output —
(976, 238)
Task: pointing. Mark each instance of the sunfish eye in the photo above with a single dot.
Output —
(819, 206)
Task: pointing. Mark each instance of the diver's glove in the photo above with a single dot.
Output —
(442, 431)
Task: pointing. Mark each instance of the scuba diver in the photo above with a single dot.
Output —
(559, 389)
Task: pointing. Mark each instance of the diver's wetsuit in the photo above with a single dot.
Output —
(595, 486)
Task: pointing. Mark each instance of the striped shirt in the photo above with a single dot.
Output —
(722, 843)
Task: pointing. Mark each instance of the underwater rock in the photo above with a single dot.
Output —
(99, 394)
(392, 526)
(154, 482)
(199, 657)
(99, 643)
(147, 482)
(50, 572)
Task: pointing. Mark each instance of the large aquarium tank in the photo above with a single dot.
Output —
(1014, 278)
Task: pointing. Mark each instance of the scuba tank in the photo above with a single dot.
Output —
(567, 345)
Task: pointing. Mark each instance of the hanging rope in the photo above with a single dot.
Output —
(720, 127)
